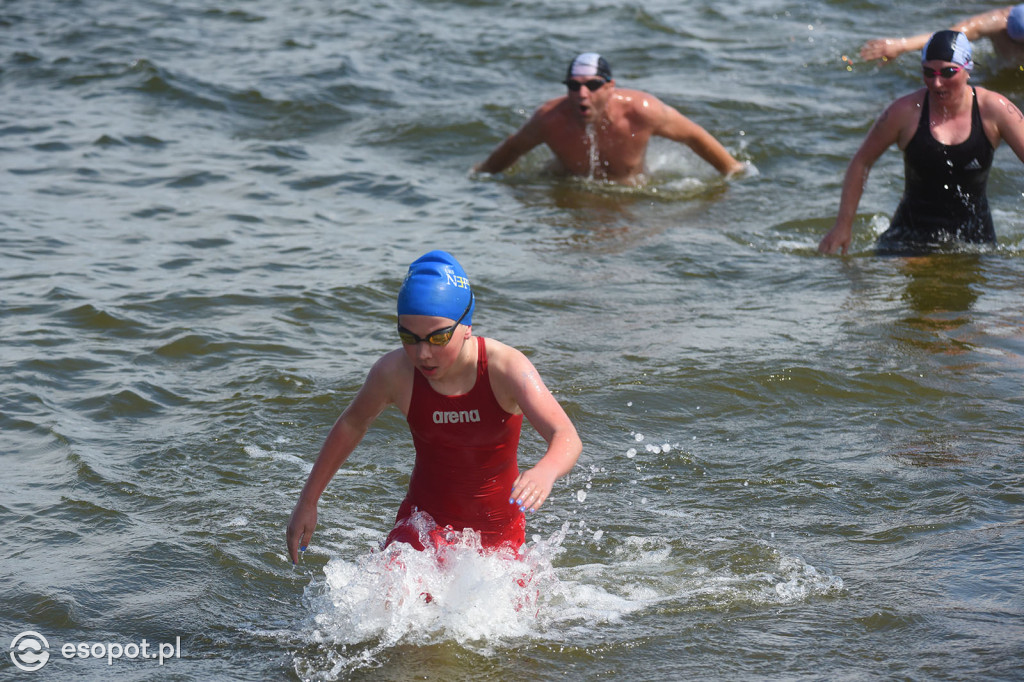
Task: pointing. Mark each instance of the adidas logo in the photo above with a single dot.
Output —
(973, 165)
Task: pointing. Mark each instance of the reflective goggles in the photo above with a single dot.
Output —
(592, 85)
(438, 337)
(946, 72)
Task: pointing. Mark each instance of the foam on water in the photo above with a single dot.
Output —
(399, 595)
(365, 607)
(256, 452)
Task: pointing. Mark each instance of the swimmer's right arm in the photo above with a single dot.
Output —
(512, 148)
(344, 436)
(884, 133)
(840, 236)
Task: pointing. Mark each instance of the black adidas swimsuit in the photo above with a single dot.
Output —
(944, 196)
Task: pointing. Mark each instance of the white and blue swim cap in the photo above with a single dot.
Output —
(948, 46)
(437, 286)
(589, 64)
(1015, 24)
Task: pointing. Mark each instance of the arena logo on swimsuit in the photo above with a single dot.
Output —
(460, 417)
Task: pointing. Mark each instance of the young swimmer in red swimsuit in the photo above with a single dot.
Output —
(464, 398)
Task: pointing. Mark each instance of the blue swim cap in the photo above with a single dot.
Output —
(437, 286)
(1015, 24)
(948, 46)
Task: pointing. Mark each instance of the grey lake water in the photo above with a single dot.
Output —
(794, 466)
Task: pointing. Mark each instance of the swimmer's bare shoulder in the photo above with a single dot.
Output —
(993, 103)
(898, 122)
(389, 381)
(910, 101)
(503, 358)
(553, 115)
(639, 105)
(1002, 119)
(648, 114)
(509, 368)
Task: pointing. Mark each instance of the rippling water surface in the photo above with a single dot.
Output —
(794, 466)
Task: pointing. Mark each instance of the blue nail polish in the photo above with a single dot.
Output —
(303, 548)
(511, 501)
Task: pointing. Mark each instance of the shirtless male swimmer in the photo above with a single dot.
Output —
(619, 121)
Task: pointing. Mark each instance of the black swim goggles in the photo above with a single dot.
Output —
(946, 72)
(592, 85)
(438, 337)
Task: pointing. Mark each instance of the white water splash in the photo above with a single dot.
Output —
(256, 452)
(483, 601)
(400, 596)
(369, 606)
(595, 157)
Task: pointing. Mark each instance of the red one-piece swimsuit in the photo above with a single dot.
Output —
(465, 463)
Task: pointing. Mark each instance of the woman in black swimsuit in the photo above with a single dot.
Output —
(948, 132)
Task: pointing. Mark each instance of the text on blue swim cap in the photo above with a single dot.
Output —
(457, 280)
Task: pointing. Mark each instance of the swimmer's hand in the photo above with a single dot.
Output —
(743, 169)
(738, 168)
(532, 488)
(839, 237)
(883, 48)
(300, 528)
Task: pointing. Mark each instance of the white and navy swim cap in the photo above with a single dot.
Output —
(1015, 24)
(437, 286)
(589, 64)
(948, 46)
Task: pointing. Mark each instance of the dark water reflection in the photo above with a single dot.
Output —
(941, 291)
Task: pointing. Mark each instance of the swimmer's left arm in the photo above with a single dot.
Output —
(670, 124)
(524, 385)
(1008, 119)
